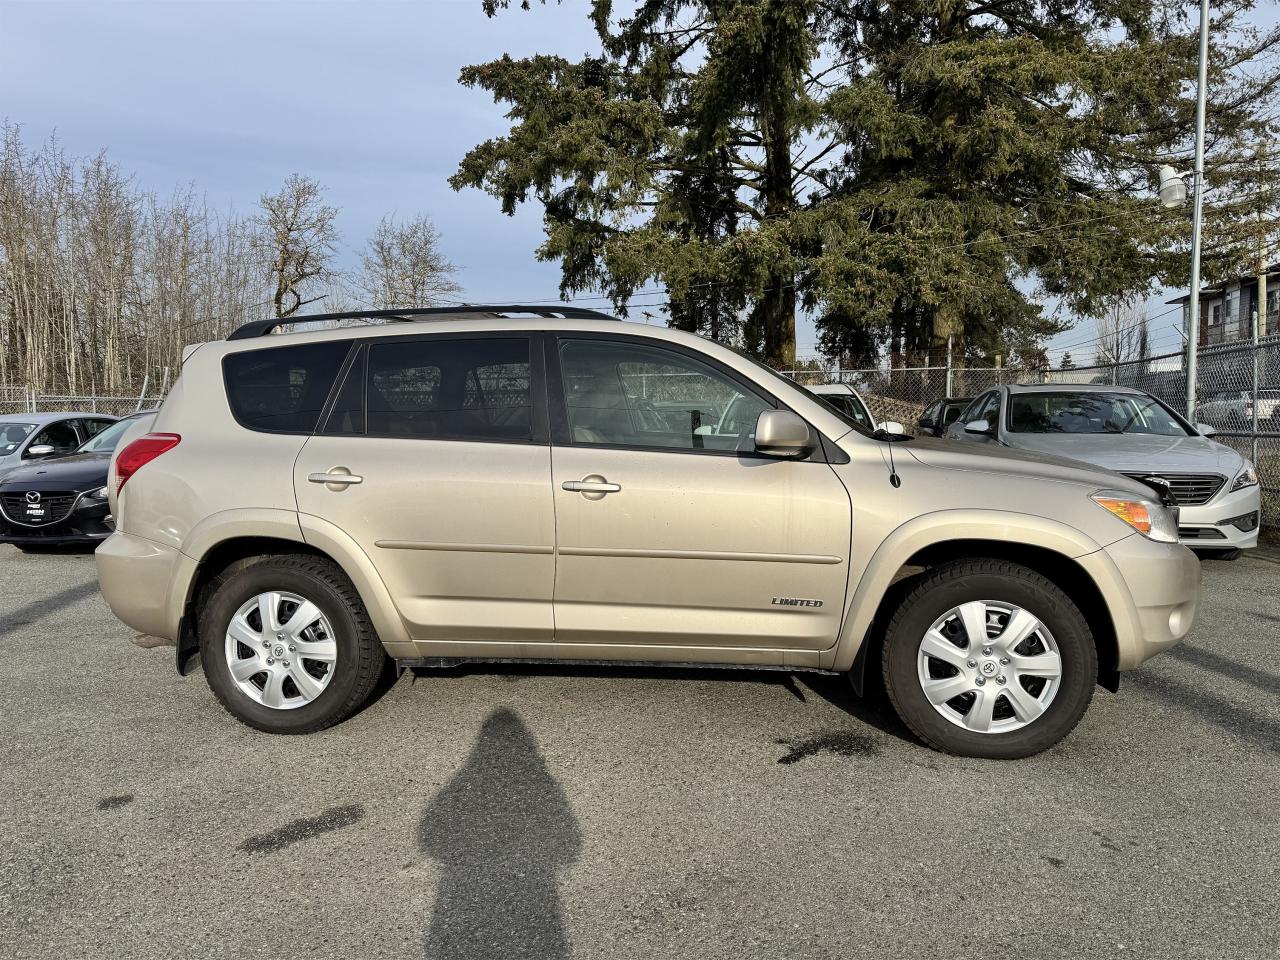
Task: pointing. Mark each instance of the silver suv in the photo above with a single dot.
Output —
(312, 507)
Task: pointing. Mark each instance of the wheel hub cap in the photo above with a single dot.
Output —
(280, 650)
(989, 666)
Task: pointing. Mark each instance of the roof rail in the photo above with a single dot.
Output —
(260, 328)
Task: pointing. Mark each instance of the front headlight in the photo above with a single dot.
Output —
(99, 494)
(1248, 477)
(1149, 518)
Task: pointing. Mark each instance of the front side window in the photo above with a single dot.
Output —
(61, 436)
(632, 395)
(282, 389)
(974, 410)
(1092, 413)
(473, 389)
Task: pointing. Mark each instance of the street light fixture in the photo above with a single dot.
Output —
(1173, 186)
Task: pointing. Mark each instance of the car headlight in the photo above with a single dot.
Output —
(1248, 477)
(1149, 518)
(99, 494)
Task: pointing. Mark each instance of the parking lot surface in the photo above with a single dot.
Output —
(556, 811)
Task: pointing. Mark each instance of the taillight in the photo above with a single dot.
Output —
(141, 452)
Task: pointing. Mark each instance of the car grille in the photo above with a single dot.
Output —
(1187, 489)
(57, 504)
(1200, 533)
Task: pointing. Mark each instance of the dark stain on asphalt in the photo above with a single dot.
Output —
(335, 818)
(843, 743)
(1056, 862)
(115, 801)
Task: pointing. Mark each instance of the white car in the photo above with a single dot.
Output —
(1131, 432)
(845, 399)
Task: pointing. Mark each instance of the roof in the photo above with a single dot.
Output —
(1072, 388)
(39, 418)
(1272, 270)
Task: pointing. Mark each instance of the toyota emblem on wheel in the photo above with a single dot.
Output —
(33, 496)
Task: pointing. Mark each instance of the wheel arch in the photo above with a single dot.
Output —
(221, 555)
(905, 556)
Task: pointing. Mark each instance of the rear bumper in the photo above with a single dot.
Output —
(135, 576)
(1153, 592)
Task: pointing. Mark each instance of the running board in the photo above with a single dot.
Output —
(444, 663)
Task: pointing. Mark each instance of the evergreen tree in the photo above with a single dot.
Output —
(906, 170)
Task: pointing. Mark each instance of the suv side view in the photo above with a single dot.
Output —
(471, 485)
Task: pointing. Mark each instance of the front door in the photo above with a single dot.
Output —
(671, 530)
(445, 440)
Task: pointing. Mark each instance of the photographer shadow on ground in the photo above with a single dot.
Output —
(501, 830)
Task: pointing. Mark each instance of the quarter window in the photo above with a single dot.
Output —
(624, 394)
(474, 389)
(282, 389)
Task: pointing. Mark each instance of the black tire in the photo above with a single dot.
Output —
(955, 583)
(360, 662)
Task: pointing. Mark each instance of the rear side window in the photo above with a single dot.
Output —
(473, 389)
(282, 389)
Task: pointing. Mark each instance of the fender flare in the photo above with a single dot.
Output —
(933, 529)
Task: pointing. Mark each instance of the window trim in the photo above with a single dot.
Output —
(561, 436)
(539, 429)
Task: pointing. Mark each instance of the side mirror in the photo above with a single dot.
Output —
(980, 427)
(1206, 429)
(39, 450)
(892, 426)
(780, 433)
(926, 424)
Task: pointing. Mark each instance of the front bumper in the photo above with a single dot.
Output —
(88, 522)
(1152, 591)
(1227, 522)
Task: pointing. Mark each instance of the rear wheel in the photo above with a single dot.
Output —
(986, 658)
(287, 646)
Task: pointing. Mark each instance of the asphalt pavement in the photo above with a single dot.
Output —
(548, 812)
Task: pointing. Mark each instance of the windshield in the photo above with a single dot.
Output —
(1092, 413)
(106, 441)
(12, 435)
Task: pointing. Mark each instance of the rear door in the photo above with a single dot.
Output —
(671, 530)
(444, 439)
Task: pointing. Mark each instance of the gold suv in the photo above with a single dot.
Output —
(465, 484)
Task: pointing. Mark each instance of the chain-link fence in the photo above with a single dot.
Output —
(1237, 393)
(16, 400)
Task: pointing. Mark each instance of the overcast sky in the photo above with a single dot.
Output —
(233, 95)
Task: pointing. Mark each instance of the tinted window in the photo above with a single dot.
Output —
(476, 389)
(972, 413)
(633, 395)
(282, 389)
(94, 425)
(347, 414)
(1091, 413)
(61, 436)
(951, 413)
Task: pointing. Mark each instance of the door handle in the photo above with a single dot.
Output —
(592, 484)
(339, 479)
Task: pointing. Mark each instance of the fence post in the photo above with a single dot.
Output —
(1115, 372)
(146, 379)
(1256, 376)
(949, 393)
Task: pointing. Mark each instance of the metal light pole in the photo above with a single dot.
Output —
(1193, 318)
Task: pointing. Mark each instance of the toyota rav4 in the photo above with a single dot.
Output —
(430, 487)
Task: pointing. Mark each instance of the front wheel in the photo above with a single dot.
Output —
(986, 658)
(286, 644)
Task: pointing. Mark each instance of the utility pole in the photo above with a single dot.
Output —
(1193, 317)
